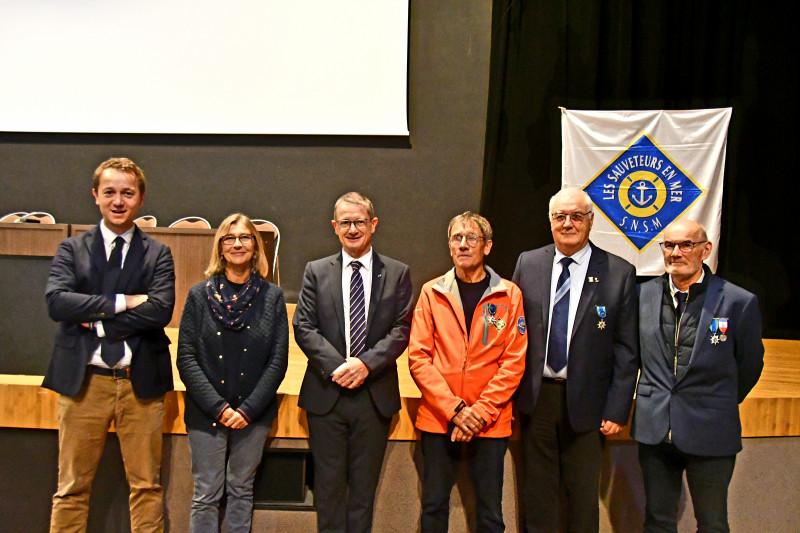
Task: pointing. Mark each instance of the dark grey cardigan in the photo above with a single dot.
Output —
(202, 368)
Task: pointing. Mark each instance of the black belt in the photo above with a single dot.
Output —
(116, 373)
(560, 381)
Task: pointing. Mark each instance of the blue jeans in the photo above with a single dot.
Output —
(211, 472)
(485, 458)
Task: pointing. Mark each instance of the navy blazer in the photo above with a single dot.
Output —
(701, 408)
(74, 296)
(319, 331)
(603, 362)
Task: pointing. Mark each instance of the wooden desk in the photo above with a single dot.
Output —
(771, 410)
(191, 251)
(39, 240)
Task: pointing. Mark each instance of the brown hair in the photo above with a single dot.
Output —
(469, 216)
(123, 164)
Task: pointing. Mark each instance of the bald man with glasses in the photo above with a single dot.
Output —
(700, 341)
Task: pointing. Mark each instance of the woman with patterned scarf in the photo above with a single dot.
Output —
(232, 356)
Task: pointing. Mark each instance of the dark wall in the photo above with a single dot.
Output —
(294, 181)
(584, 54)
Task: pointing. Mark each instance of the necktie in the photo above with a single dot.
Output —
(358, 319)
(681, 296)
(557, 342)
(112, 352)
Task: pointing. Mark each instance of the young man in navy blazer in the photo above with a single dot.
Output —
(352, 321)
(581, 367)
(112, 290)
(700, 339)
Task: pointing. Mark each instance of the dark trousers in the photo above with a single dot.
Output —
(485, 460)
(708, 478)
(348, 445)
(557, 457)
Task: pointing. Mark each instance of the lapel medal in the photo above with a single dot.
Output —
(723, 328)
(601, 312)
(713, 327)
(498, 323)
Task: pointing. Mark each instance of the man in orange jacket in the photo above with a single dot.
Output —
(467, 355)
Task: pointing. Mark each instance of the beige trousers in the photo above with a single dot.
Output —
(84, 421)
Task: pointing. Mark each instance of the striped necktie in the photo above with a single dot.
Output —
(557, 344)
(358, 316)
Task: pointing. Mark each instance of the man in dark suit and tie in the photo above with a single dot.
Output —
(581, 366)
(700, 339)
(112, 289)
(352, 321)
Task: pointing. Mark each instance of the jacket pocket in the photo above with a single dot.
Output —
(644, 389)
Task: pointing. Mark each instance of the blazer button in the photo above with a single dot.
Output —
(219, 333)
(242, 374)
(223, 381)
(220, 357)
(214, 424)
(245, 349)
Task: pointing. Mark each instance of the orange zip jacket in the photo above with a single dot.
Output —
(483, 370)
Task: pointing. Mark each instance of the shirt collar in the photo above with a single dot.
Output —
(109, 236)
(579, 257)
(673, 289)
(365, 260)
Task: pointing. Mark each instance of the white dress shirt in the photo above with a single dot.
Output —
(366, 276)
(577, 276)
(119, 300)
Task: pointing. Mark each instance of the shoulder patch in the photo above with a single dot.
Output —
(521, 325)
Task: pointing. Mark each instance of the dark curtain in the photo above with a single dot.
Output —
(682, 54)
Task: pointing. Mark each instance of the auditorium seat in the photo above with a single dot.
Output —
(266, 225)
(13, 217)
(146, 221)
(41, 216)
(191, 222)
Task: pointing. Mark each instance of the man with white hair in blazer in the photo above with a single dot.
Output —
(700, 340)
(581, 367)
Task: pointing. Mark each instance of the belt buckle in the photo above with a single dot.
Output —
(121, 373)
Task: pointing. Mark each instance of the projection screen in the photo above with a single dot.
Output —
(318, 67)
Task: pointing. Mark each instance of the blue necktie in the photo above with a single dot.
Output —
(112, 352)
(681, 296)
(557, 343)
(358, 319)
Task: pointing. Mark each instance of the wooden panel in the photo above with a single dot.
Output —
(771, 409)
(31, 239)
(191, 251)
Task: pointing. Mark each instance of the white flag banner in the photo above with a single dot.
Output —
(643, 170)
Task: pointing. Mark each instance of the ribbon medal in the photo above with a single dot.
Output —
(723, 328)
(714, 327)
(498, 323)
(601, 312)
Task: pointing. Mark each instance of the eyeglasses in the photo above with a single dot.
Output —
(685, 246)
(471, 238)
(230, 240)
(577, 217)
(359, 223)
